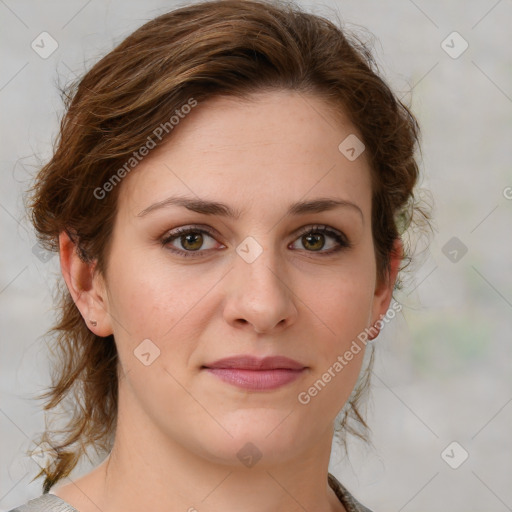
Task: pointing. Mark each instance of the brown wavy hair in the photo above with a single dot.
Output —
(232, 48)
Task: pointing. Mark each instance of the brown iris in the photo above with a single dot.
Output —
(192, 241)
(315, 241)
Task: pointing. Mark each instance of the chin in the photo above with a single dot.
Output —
(263, 438)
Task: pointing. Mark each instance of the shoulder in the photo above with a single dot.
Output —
(45, 503)
(348, 501)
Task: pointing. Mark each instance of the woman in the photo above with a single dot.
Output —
(227, 197)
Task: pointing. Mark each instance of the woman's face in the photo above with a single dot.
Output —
(263, 280)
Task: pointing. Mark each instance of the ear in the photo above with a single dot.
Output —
(384, 290)
(86, 286)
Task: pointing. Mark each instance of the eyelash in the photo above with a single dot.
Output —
(339, 237)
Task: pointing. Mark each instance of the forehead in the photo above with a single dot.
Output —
(279, 146)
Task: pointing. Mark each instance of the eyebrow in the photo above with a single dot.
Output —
(215, 208)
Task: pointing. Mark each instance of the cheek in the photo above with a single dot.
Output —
(161, 311)
(342, 306)
(343, 311)
(340, 309)
(150, 296)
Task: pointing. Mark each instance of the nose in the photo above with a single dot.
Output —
(259, 294)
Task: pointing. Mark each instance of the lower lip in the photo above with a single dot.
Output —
(256, 379)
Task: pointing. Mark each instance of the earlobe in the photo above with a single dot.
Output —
(384, 291)
(85, 286)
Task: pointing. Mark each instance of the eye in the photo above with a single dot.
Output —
(313, 239)
(189, 240)
(193, 240)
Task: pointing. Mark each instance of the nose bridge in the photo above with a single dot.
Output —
(258, 265)
(260, 294)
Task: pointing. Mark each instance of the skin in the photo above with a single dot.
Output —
(179, 427)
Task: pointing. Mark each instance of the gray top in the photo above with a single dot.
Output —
(52, 503)
(45, 503)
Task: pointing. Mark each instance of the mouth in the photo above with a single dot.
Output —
(252, 373)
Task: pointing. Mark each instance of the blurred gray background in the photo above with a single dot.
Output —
(443, 373)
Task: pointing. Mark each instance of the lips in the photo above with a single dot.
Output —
(246, 362)
(256, 374)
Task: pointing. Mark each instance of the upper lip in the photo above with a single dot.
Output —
(248, 362)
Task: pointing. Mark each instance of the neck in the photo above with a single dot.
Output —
(150, 470)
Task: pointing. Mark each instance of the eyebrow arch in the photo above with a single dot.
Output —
(215, 208)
